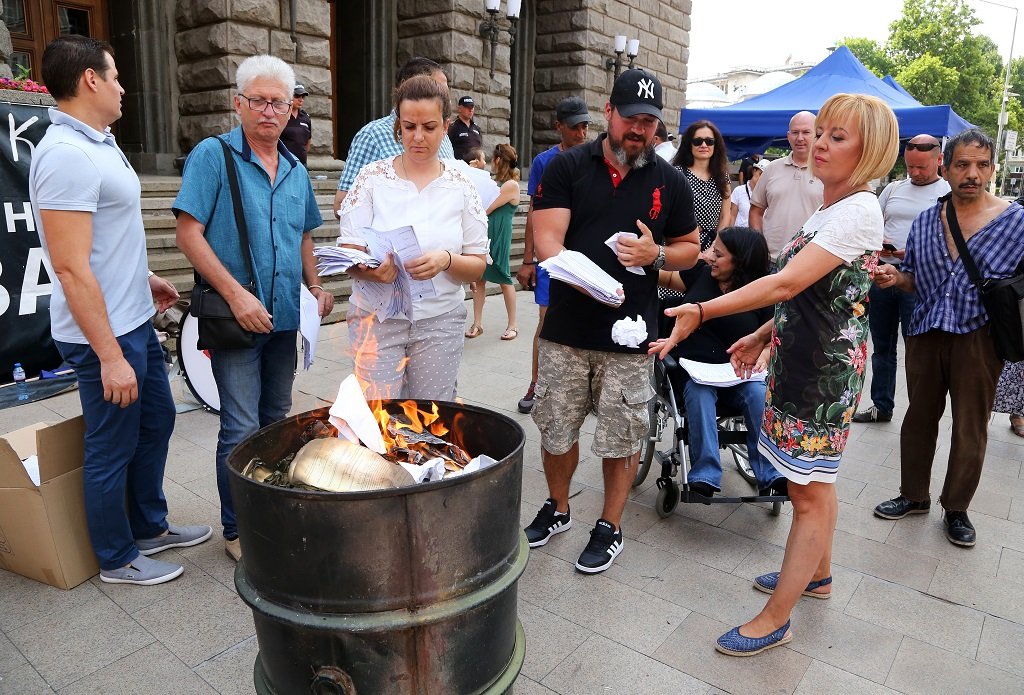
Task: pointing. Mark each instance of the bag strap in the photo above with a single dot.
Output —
(961, 244)
(236, 200)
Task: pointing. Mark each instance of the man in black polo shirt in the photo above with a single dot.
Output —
(614, 184)
(464, 132)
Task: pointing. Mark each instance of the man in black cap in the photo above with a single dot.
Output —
(572, 119)
(614, 184)
(464, 132)
(298, 133)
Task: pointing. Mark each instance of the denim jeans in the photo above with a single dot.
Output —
(125, 448)
(888, 310)
(700, 400)
(255, 388)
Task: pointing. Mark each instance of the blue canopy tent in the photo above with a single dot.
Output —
(891, 81)
(754, 125)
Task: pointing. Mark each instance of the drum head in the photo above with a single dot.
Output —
(196, 366)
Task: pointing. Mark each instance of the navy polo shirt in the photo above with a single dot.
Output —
(657, 194)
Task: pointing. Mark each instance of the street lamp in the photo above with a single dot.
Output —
(1006, 92)
(631, 47)
(490, 29)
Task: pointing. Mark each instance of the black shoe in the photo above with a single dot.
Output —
(702, 488)
(777, 488)
(872, 414)
(959, 529)
(604, 546)
(547, 523)
(526, 403)
(899, 507)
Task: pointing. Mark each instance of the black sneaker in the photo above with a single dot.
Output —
(959, 529)
(872, 414)
(899, 507)
(526, 404)
(604, 546)
(547, 523)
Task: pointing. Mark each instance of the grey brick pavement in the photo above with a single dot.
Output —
(910, 612)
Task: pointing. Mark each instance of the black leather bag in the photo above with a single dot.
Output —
(1003, 298)
(218, 327)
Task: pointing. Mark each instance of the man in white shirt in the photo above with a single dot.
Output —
(787, 193)
(889, 309)
(663, 146)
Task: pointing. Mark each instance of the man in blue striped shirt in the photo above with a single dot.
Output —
(949, 348)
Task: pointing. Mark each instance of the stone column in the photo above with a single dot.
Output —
(5, 47)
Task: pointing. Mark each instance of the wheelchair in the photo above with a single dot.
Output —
(665, 412)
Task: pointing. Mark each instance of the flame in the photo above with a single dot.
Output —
(419, 420)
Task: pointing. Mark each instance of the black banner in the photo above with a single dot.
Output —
(26, 278)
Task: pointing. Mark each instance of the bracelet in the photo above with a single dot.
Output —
(449, 261)
(701, 310)
(315, 287)
(529, 262)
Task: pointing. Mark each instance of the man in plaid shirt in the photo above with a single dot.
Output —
(376, 140)
(949, 348)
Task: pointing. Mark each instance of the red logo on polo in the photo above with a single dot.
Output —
(656, 203)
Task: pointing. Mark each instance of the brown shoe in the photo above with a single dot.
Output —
(233, 549)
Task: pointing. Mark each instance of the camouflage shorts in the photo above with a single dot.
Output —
(572, 382)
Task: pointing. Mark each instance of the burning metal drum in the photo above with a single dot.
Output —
(408, 590)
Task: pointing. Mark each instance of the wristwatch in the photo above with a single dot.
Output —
(659, 262)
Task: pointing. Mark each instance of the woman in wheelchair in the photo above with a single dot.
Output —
(738, 256)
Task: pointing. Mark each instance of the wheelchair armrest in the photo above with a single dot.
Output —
(670, 362)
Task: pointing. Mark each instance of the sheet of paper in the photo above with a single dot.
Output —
(309, 325)
(716, 374)
(576, 269)
(481, 179)
(332, 260)
(426, 472)
(31, 465)
(406, 247)
(353, 417)
(612, 242)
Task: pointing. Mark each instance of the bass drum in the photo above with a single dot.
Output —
(195, 365)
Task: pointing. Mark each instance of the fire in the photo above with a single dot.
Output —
(415, 422)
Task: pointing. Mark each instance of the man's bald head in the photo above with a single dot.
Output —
(800, 135)
(923, 156)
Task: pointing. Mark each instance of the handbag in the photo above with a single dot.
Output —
(1003, 299)
(218, 327)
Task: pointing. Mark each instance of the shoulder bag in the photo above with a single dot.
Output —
(218, 327)
(1003, 298)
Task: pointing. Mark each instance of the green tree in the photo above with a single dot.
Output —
(871, 54)
(929, 80)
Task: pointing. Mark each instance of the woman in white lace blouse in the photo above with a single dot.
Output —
(414, 356)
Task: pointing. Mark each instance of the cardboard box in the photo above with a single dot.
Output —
(43, 532)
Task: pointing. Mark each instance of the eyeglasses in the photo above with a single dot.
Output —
(260, 104)
(921, 146)
(697, 142)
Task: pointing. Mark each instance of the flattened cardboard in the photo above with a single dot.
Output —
(43, 532)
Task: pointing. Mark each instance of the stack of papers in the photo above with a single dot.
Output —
(575, 269)
(716, 374)
(309, 325)
(332, 260)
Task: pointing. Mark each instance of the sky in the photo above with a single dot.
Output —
(725, 34)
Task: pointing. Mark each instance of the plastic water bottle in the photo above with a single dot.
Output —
(19, 382)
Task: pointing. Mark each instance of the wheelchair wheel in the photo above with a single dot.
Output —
(668, 498)
(655, 417)
(739, 451)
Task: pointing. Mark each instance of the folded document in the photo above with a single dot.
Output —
(574, 268)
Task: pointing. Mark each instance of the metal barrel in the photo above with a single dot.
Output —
(405, 591)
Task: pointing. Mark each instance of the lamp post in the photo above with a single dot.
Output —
(631, 47)
(1001, 121)
(491, 30)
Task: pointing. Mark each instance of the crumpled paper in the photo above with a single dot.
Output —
(629, 333)
(613, 243)
(353, 417)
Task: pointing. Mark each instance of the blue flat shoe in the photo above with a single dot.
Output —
(768, 582)
(735, 644)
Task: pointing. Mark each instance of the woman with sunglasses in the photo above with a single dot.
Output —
(701, 158)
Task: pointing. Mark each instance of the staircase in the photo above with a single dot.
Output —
(158, 193)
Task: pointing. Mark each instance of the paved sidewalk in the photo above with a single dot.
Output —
(910, 613)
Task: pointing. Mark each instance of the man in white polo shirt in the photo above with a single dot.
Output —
(787, 193)
(85, 197)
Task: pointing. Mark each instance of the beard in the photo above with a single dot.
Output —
(634, 161)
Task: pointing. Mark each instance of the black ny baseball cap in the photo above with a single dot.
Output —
(572, 111)
(637, 91)
(300, 91)
(466, 101)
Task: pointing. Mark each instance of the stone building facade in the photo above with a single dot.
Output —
(178, 58)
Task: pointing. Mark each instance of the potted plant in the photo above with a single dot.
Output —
(21, 89)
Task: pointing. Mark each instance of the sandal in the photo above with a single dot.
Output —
(510, 334)
(1017, 425)
(474, 331)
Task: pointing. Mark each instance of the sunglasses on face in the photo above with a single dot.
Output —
(921, 146)
(697, 142)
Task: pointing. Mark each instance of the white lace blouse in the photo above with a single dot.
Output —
(446, 215)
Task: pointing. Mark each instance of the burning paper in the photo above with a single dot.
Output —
(353, 418)
(338, 465)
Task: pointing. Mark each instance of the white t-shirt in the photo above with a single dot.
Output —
(848, 228)
(75, 167)
(901, 203)
(666, 151)
(446, 215)
(741, 199)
